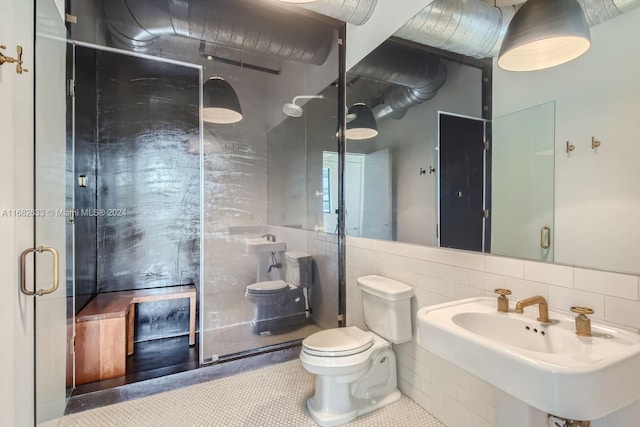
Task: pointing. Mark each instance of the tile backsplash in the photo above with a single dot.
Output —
(440, 275)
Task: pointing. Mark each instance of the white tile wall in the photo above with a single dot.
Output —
(439, 275)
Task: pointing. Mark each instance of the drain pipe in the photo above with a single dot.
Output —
(567, 422)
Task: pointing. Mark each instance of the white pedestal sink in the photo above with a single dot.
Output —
(547, 366)
(262, 249)
(257, 245)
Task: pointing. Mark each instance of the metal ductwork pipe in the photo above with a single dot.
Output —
(233, 23)
(599, 11)
(475, 28)
(467, 27)
(355, 12)
(418, 74)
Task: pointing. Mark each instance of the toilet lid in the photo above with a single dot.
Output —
(269, 287)
(338, 342)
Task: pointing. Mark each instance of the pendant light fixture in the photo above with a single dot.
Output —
(220, 102)
(363, 125)
(544, 33)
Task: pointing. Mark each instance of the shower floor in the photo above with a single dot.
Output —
(228, 341)
(161, 357)
(151, 359)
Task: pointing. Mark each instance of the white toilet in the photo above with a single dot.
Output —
(280, 305)
(355, 369)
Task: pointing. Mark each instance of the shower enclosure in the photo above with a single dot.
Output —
(161, 198)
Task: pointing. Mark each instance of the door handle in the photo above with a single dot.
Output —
(23, 271)
(545, 237)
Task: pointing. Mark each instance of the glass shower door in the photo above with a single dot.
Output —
(523, 183)
(54, 311)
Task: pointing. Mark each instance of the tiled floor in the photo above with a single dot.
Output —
(272, 396)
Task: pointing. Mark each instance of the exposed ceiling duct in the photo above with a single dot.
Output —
(417, 74)
(355, 12)
(476, 29)
(237, 24)
(471, 28)
(599, 11)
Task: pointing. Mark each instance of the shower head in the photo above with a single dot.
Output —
(294, 110)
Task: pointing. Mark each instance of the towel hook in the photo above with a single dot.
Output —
(570, 147)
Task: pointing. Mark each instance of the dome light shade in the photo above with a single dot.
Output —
(220, 102)
(364, 125)
(543, 34)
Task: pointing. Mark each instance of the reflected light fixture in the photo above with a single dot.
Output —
(543, 34)
(363, 125)
(220, 102)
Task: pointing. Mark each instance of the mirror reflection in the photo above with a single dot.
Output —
(411, 90)
(544, 203)
(552, 192)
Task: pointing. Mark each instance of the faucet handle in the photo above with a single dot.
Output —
(503, 301)
(583, 323)
(582, 310)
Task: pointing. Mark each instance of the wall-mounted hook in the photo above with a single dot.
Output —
(431, 170)
(594, 143)
(10, 60)
(570, 147)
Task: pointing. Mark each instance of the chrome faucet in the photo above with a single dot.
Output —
(270, 237)
(543, 307)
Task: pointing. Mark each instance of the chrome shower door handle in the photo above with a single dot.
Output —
(545, 237)
(23, 271)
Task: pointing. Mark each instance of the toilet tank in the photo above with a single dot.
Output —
(386, 304)
(298, 268)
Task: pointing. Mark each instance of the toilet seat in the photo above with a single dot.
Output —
(338, 342)
(269, 287)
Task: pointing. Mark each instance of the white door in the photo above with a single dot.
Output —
(16, 192)
(376, 200)
(353, 184)
(53, 200)
(353, 175)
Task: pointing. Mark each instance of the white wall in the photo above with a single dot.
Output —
(16, 192)
(597, 201)
(439, 275)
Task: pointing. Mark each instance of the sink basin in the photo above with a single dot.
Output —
(263, 245)
(546, 366)
(519, 332)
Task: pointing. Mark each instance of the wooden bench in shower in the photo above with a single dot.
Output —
(105, 328)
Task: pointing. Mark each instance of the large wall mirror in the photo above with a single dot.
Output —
(544, 201)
